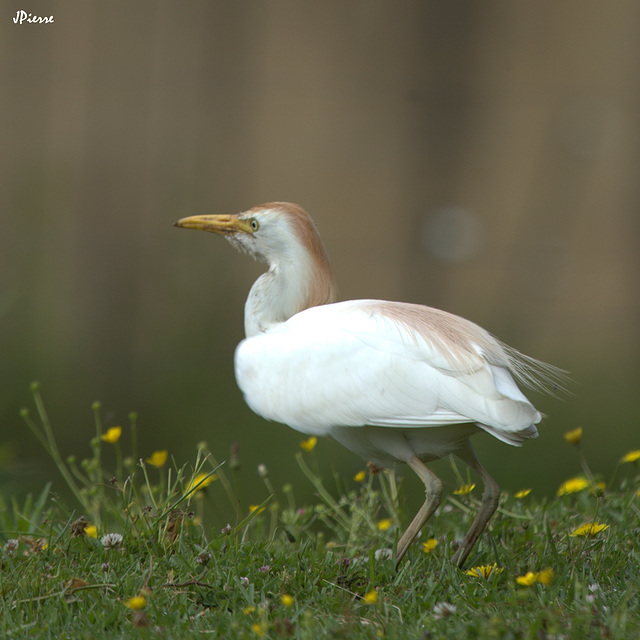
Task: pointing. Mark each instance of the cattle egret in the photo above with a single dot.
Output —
(392, 381)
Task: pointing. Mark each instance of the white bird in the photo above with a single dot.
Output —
(392, 381)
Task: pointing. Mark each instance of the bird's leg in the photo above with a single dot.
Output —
(433, 493)
(490, 499)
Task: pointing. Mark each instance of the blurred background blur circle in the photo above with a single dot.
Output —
(452, 234)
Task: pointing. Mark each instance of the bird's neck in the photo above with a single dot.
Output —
(287, 288)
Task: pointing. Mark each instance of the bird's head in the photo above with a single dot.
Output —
(281, 234)
(269, 232)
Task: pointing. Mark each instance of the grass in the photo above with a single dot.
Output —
(307, 571)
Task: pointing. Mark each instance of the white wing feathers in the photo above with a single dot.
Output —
(385, 364)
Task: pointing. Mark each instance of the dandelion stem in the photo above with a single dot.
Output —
(512, 514)
(48, 441)
(390, 493)
(324, 494)
(585, 467)
(143, 466)
(459, 504)
(97, 450)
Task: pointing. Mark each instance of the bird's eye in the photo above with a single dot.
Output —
(254, 224)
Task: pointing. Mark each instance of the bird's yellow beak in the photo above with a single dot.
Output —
(225, 225)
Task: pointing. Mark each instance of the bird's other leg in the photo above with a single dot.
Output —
(433, 495)
(490, 499)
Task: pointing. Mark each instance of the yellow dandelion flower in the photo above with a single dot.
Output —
(531, 577)
(113, 435)
(259, 628)
(371, 597)
(158, 458)
(383, 525)
(527, 580)
(360, 476)
(286, 599)
(429, 545)
(573, 485)
(544, 576)
(201, 481)
(136, 603)
(638, 493)
(484, 571)
(309, 443)
(248, 610)
(589, 529)
(523, 493)
(574, 437)
(91, 531)
(256, 507)
(464, 489)
(632, 456)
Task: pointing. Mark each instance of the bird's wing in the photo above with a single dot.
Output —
(371, 363)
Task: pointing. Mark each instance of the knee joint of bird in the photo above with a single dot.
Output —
(492, 494)
(433, 491)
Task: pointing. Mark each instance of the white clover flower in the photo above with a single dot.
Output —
(443, 610)
(10, 546)
(111, 540)
(383, 554)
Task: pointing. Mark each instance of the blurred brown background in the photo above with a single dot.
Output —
(481, 157)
